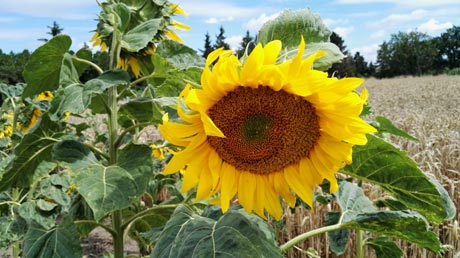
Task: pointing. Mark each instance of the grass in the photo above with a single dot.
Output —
(427, 108)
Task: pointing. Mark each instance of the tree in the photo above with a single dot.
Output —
(346, 67)
(246, 43)
(360, 65)
(220, 40)
(207, 46)
(12, 65)
(449, 47)
(54, 31)
(412, 53)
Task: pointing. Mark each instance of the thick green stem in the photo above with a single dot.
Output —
(16, 249)
(117, 219)
(307, 235)
(359, 244)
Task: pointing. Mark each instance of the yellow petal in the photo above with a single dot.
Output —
(179, 25)
(250, 72)
(182, 158)
(194, 170)
(173, 36)
(271, 51)
(205, 184)
(209, 127)
(364, 95)
(304, 191)
(246, 190)
(281, 187)
(229, 185)
(272, 203)
(177, 9)
(259, 203)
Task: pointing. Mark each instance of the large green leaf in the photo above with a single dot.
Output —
(73, 99)
(290, 25)
(34, 148)
(384, 247)
(232, 235)
(60, 241)
(104, 188)
(11, 230)
(179, 55)
(12, 90)
(83, 53)
(31, 212)
(337, 239)
(138, 38)
(44, 67)
(137, 160)
(384, 165)
(358, 213)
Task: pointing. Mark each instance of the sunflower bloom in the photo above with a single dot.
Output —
(262, 130)
(36, 113)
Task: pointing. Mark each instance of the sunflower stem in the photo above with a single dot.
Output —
(302, 237)
(359, 244)
(117, 217)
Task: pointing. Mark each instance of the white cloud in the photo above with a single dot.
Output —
(344, 31)
(214, 20)
(7, 19)
(407, 3)
(21, 34)
(397, 19)
(52, 8)
(377, 34)
(433, 25)
(216, 9)
(255, 24)
(234, 42)
(329, 22)
(368, 52)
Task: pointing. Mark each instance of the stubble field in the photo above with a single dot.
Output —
(427, 108)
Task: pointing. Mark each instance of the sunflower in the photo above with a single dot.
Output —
(262, 130)
(36, 113)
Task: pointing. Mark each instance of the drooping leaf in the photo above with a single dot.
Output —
(232, 235)
(358, 213)
(384, 125)
(290, 25)
(104, 188)
(60, 241)
(138, 37)
(382, 164)
(34, 148)
(44, 67)
(408, 226)
(384, 247)
(179, 55)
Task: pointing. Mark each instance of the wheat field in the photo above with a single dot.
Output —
(427, 108)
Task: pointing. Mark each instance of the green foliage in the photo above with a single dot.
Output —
(412, 53)
(234, 234)
(382, 164)
(62, 177)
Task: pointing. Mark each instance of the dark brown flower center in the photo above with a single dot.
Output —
(265, 130)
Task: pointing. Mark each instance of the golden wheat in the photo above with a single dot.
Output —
(427, 108)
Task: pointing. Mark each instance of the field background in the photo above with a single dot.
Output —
(427, 108)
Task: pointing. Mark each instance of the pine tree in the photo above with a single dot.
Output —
(220, 39)
(54, 31)
(247, 42)
(207, 46)
(346, 68)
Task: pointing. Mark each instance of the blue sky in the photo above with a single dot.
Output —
(364, 24)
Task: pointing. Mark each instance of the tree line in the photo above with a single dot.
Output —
(406, 53)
